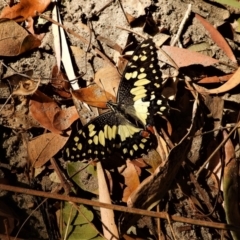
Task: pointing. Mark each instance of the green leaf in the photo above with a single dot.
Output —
(231, 3)
(69, 211)
(83, 232)
(86, 177)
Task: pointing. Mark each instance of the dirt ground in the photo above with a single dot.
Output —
(107, 22)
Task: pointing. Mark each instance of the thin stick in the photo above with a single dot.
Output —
(119, 208)
(185, 18)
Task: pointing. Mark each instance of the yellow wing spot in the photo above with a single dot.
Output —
(114, 131)
(151, 65)
(84, 154)
(154, 71)
(143, 58)
(142, 75)
(67, 152)
(157, 85)
(121, 132)
(131, 152)
(141, 82)
(106, 131)
(109, 130)
(84, 135)
(134, 74)
(91, 127)
(151, 52)
(89, 151)
(92, 133)
(74, 149)
(72, 157)
(138, 91)
(162, 108)
(159, 102)
(126, 131)
(76, 139)
(143, 140)
(80, 131)
(142, 70)
(95, 152)
(143, 95)
(141, 109)
(128, 76)
(90, 141)
(101, 138)
(95, 140)
(102, 152)
(79, 146)
(156, 77)
(144, 45)
(78, 156)
(141, 145)
(135, 147)
(152, 97)
(144, 52)
(125, 150)
(135, 58)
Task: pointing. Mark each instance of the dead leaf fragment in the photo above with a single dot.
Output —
(183, 57)
(42, 148)
(24, 9)
(27, 87)
(43, 109)
(94, 96)
(14, 39)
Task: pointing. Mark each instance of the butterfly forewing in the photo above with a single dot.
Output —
(141, 84)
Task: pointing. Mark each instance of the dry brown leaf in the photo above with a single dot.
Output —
(42, 148)
(24, 9)
(64, 118)
(131, 180)
(217, 37)
(215, 79)
(43, 109)
(108, 78)
(183, 57)
(94, 96)
(15, 39)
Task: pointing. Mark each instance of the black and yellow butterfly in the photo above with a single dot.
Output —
(122, 130)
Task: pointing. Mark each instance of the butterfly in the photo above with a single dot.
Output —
(123, 129)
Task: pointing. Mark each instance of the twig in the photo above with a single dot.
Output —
(185, 18)
(119, 208)
(214, 152)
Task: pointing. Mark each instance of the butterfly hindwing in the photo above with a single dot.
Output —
(108, 134)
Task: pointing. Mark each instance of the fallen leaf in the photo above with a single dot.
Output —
(215, 79)
(24, 9)
(43, 109)
(217, 37)
(15, 39)
(42, 148)
(131, 180)
(183, 57)
(63, 119)
(94, 96)
(108, 79)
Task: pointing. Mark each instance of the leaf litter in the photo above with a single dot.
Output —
(37, 113)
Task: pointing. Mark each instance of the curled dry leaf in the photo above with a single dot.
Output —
(24, 9)
(215, 79)
(15, 39)
(131, 180)
(27, 87)
(230, 84)
(217, 37)
(94, 96)
(42, 148)
(43, 109)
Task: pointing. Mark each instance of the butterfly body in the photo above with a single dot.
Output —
(122, 129)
